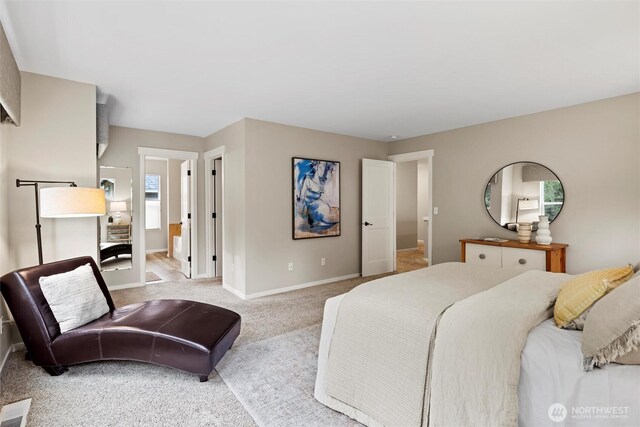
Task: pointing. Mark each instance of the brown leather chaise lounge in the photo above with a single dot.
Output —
(186, 335)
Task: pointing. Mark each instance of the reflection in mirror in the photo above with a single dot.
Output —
(520, 192)
(115, 227)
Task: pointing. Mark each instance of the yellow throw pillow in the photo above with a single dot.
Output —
(579, 293)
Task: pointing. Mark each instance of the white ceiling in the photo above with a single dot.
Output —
(366, 69)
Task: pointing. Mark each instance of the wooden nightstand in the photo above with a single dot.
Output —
(513, 254)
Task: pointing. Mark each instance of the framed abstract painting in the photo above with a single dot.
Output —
(316, 198)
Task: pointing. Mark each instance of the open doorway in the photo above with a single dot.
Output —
(413, 205)
(412, 215)
(166, 203)
(168, 200)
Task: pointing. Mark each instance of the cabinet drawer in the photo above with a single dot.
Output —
(524, 259)
(483, 254)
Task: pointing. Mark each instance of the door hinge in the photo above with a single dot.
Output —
(189, 258)
(213, 215)
(188, 216)
(188, 173)
(213, 172)
(215, 258)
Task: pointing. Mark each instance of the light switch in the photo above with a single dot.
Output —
(435, 211)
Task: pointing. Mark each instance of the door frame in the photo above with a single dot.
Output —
(143, 153)
(409, 157)
(209, 159)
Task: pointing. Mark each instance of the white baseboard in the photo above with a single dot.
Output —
(14, 347)
(288, 288)
(201, 276)
(234, 291)
(153, 251)
(125, 286)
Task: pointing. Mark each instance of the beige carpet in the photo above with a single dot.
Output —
(136, 394)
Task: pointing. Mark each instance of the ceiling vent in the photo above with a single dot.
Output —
(102, 128)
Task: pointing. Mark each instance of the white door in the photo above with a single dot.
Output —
(185, 217)
(378, 198)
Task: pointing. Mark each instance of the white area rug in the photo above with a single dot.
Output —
(274, 380)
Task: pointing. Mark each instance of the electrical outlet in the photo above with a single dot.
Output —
(290, 266)
(323, 261)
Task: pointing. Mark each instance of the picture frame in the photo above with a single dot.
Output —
(316, 198)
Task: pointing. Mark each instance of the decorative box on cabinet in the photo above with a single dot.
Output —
(513, 254)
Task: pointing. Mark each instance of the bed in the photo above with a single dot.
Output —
(541, 365)
(111, 250)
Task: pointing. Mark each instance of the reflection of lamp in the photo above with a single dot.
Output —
(117, 207)
(525, 204)
(64, 202)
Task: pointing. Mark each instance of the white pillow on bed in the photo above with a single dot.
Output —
(75, 297)
(612, 329)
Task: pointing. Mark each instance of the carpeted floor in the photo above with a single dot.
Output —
(135, 394)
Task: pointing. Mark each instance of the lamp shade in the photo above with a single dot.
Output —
(71, 202)
(526, 204)
(117, 206)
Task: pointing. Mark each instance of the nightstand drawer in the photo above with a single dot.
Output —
(484, 255)
(523, 259)
(515, 255)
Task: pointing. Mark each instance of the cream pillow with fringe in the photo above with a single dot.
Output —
(580, 292)
(612, 329)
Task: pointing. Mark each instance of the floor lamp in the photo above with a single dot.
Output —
(63, 202)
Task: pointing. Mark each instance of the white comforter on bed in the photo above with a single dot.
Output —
(550, 372)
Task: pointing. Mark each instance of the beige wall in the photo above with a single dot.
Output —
(258, 211)
(406, 205)
(56, 141)
(593, 148)
(234, 257)
(123, 152)
(269, 148)
(156, 240)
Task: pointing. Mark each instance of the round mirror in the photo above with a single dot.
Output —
(521, 192)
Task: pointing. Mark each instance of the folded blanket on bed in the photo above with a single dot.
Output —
(476, 357)
(381, 342)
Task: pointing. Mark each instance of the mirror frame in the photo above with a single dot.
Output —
(484, 189)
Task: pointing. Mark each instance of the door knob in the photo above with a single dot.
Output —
(367, 223)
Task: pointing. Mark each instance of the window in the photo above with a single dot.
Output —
(152, 202)
(552, 196)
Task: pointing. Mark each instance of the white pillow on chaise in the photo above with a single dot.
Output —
(75, 297)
